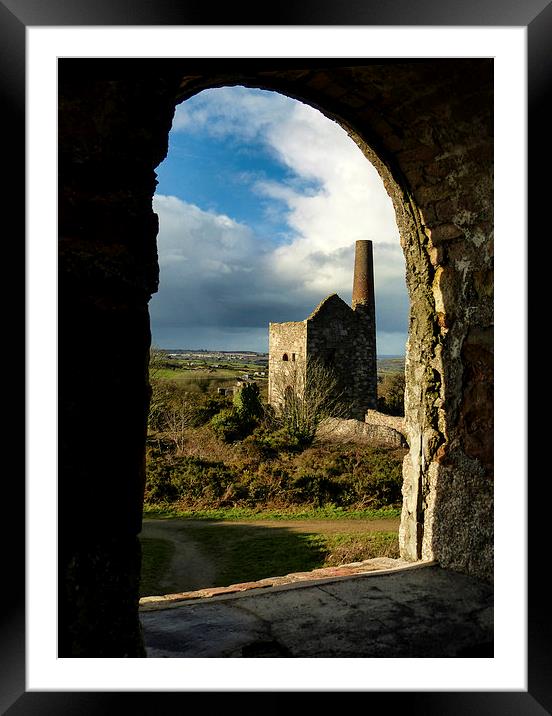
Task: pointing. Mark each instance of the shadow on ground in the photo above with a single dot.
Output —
(204, 553)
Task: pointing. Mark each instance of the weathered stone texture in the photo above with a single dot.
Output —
(289, 340)
(337, 336)
(426, 125)
(375, 432)
(345, 339)
(388, 424)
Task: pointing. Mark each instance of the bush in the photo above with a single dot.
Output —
(273, 441)
(230, 424)
(391, 394)
(247, 402)
(268, 484)
(242, 418)
(367, 477)
(318, 489)
(174, 409)
(202, 481)
(251, 477)
(206, 408)
(159, 478)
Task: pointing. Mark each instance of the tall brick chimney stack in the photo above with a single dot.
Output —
(364, 306)
(363, 281)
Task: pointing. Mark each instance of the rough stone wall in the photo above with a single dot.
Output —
(112, 133)
(362, 433)
(426, 125)
(384, 435)
(289, 339)
(392, 423)
(344, 339)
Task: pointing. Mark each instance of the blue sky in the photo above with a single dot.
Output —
(260, 201)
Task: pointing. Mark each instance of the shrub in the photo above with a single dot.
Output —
(317, 489)
(247, 402)
(240, 420)
(376, 478)
(159, 479)
(202, 481)
(206, 408)
(263, 471)
(365, 477)
(274, 441)
(230, 424)
(391, 394)
(269, 483)
(176, 409)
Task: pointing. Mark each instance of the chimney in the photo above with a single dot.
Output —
(363, 281)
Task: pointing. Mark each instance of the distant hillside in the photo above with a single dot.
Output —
(390, 364)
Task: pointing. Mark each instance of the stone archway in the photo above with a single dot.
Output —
(433, 149)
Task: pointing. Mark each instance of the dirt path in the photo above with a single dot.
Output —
(325, 526)
(191, 567)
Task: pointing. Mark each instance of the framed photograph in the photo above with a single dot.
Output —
(50, 53)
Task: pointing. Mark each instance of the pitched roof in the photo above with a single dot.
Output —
(331, 300)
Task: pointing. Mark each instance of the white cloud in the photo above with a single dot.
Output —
(351, 202)
(198, 241)
(232, 111)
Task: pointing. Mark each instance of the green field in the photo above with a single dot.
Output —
(185, 372)
(390, 365)
(207, 376)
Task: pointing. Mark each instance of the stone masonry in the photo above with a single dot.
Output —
(340, 337)
(375, 431)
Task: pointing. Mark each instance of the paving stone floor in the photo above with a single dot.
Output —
(420, 611)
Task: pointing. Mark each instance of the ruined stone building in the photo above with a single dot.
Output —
(339, 336)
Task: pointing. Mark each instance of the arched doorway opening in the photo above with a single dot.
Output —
(261, 201)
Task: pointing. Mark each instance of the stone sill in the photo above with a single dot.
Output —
(378, 566)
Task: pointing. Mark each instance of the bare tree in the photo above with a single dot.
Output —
(306, 393)
(158, 393)
(177, 417)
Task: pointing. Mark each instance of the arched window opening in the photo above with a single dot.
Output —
(285, 357)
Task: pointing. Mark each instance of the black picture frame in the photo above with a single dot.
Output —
(15, 17)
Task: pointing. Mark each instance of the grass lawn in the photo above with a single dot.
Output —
(250, 550)
(251, 553)
(246, 513)
(156, 559)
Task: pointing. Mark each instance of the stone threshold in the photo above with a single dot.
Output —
(378, 565)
